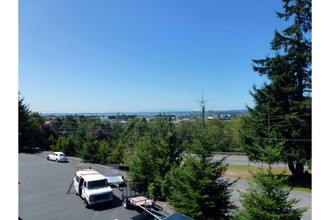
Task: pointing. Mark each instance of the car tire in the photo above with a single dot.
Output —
(47, 158)
(56, 160)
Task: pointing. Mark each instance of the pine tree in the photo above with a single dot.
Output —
(197, 187)
(143, 168)
(154, 155)
(286, 99)
(267, 195)
(30, 134)
(267, 199)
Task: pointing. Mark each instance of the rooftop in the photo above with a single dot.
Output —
(90, 174)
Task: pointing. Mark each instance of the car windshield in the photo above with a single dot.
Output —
(97, 184)
(62, 155)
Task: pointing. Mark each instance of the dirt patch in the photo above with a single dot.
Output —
(238, 174)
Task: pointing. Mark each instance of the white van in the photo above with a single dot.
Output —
(92, 187)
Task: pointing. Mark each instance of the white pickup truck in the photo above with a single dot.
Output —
(92, 187)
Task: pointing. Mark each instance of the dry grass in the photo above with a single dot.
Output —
(244, 172)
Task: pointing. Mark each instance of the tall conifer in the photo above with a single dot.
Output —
(283, 105)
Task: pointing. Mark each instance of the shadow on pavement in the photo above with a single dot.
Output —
(116, 202)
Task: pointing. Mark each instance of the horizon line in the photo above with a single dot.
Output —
(145, 111)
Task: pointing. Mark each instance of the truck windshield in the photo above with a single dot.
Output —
(97, 184)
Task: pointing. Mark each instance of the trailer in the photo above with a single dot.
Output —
(132, 199)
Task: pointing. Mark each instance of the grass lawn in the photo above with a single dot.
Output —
(243, 172)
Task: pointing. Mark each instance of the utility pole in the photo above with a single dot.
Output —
(202, 104)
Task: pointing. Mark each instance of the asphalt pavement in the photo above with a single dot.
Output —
(42, 192)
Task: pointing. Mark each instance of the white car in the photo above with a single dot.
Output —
(57, 157)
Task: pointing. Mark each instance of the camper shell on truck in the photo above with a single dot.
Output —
(92, 187)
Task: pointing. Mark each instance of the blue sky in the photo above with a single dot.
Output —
(115, 56)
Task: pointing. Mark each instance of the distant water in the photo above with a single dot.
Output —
(151, 113)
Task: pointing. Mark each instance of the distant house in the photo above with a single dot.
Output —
(47, 126)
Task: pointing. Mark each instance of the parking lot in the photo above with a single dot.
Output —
(43, 194)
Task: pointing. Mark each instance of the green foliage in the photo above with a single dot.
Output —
(89, 147)
(143, 169)
(29, 124)
(132, 132)
(267, 198)
(103, 151)
(271, 153)
(198, 190)
(52, 141)
(155, 154)
(185, 131)
(116, 155)
(23, 124)
(284, 104)
(197, 187)
(232, 134)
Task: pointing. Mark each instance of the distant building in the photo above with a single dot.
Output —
(47, 126)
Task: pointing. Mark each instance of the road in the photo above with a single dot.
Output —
(242, 160)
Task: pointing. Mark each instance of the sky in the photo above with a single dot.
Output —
(102, 56)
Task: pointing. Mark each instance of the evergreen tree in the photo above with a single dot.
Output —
(133, 131)
(116, 154)
(267, 195)
(267, 199)
(85, 142)
(155, 154)
(284, 104)
(197, 187)
(143, 168)
(23, 124)
(30, 134)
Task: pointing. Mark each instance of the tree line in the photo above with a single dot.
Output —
(90, 137)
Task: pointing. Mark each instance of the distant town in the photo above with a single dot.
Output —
(176, 116)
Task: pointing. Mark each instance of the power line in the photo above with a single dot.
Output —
(286, 139)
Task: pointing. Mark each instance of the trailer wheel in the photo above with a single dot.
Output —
(86, 204)
(126, 203)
